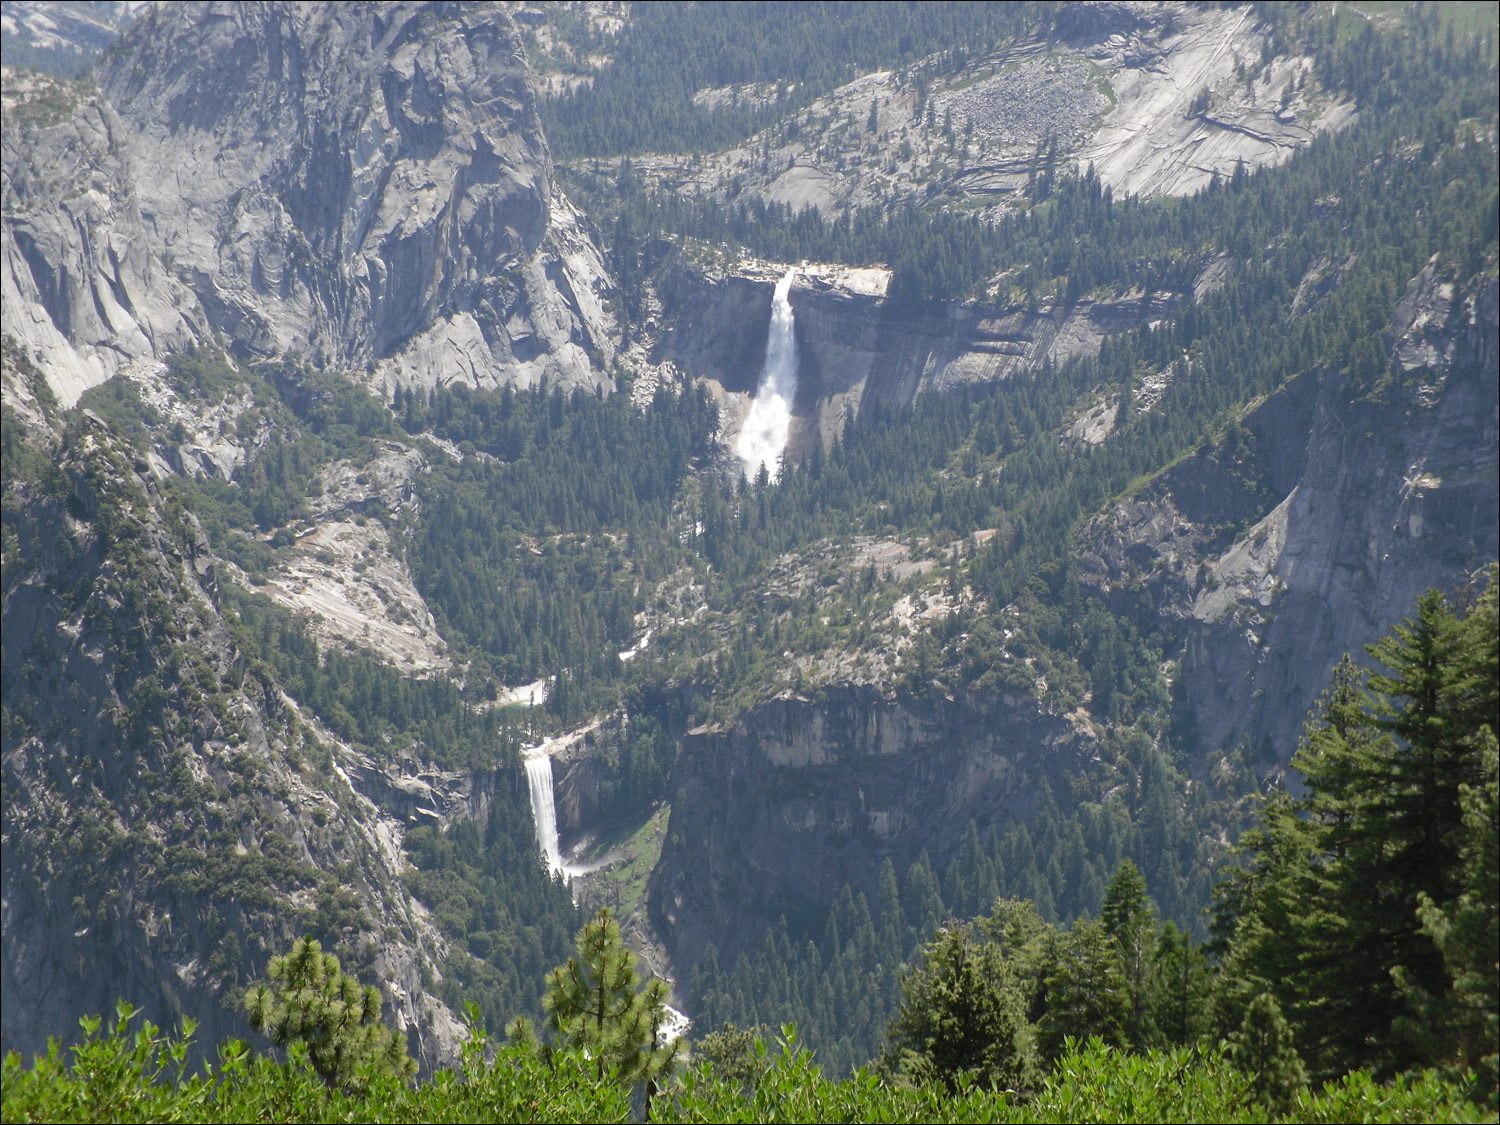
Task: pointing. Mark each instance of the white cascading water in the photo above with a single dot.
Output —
(543, 811)
(763, 438)
(544, 816)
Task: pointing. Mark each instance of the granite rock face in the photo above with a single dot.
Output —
(1316, 523)
(82, 285)
(368, 186)
(858, 347)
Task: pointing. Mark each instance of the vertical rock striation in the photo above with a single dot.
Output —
(367, 185)
(82, 286)
(1313, 526)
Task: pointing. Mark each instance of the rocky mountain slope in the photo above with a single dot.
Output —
(171, 817)
(1157, 98)
(60, 38)
(84, 288)
(1320, 518)
(369, 188)
(137, 728)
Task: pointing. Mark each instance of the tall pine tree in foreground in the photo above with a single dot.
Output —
(1345, 911)
(598, 1004)
(311, 1001)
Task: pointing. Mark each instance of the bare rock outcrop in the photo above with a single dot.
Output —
(1316, 522)
(365, 185)
(1192, 97)
(82, 286)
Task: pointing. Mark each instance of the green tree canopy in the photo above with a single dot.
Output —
(597, 1003)
(311, 1001)
(1263, 1049)
(962, 1015)
(1364, 906)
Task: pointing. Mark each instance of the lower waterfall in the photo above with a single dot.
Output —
(543, 811)
(544, 815)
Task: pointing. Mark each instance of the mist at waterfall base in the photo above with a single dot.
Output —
(763, 437)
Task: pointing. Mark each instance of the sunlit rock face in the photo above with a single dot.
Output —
(368, 186)
(83, 288)
(1316, 525)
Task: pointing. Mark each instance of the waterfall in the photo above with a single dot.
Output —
(544, 815)
(763, 437)
(543, 811)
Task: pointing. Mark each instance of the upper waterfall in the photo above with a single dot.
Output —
(763, 438)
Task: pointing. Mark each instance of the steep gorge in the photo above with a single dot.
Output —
(801, 797)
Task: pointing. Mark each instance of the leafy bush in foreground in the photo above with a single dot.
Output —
(141, 1075)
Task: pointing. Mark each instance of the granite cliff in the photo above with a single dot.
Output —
(802, 797)
(1316, 522)
(860, 350)
(367, 186)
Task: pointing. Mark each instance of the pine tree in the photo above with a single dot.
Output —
(961, 1015)
(1086, 994)
(1129, 919)
(1340, 913)
(596, 1003)
(1263, 1048)
(1419, 703)
(1467, 932)
(311, 1001)
(1179, 988)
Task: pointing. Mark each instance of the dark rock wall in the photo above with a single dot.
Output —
(803, 797)
(1316, 527)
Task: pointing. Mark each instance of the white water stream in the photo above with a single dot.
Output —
(543, 810)
(763, 438)
(544, 815)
